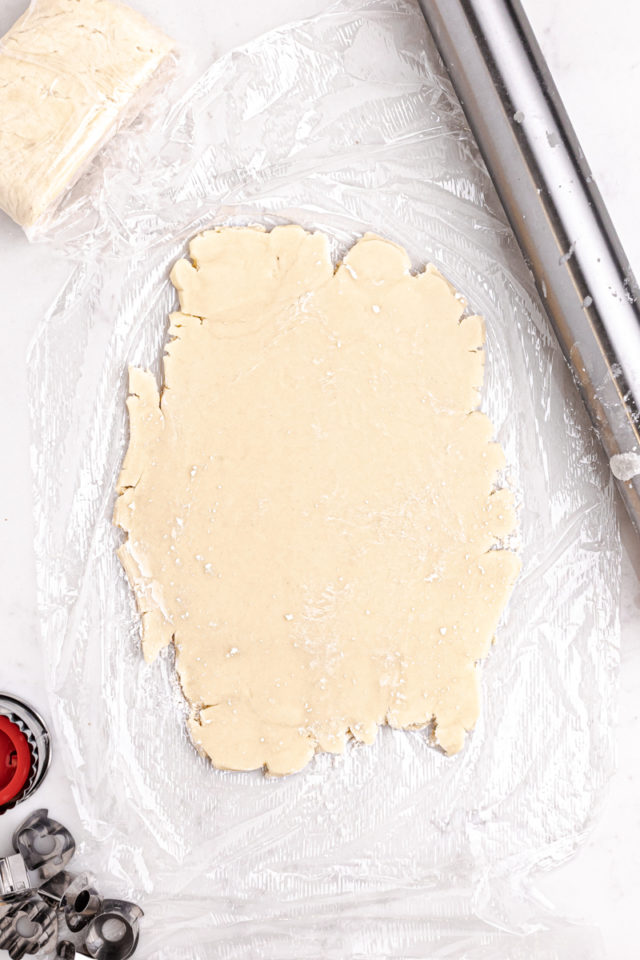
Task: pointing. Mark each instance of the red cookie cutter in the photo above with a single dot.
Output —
(15, 761)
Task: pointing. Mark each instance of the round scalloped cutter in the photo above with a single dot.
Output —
(15, 761)
(20, 723)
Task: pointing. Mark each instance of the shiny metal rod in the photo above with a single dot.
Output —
(555, 209)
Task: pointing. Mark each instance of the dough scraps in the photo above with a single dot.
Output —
(310, 501)
(68, 71)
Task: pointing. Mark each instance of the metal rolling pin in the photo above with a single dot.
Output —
(556, 212)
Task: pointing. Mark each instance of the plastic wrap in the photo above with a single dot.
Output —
(343, 123)
(71, 72)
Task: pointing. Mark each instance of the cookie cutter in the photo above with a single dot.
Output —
(25, 751)
(27, 925)
(55, 888)
(81, 903)
(44, 844)
(42, 901)
(111, 928)
(113, 934)
(14, 879)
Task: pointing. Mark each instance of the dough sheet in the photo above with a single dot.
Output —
(310, 501)
(68, 71)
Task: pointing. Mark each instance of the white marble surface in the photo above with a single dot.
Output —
(596, 62)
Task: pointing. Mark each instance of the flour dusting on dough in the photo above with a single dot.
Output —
(310, 503)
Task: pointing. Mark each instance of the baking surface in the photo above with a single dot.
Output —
(600, 883)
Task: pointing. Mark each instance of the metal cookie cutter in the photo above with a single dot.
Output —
(55, 888)
(25, 751)
(113, 933)
(52, 907)
(81, 902)
(44, 844)
(27, 925)
(14, 879)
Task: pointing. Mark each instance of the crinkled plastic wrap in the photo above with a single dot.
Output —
(71, 72)
(343, 123)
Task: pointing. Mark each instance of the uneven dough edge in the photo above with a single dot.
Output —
(143, 406)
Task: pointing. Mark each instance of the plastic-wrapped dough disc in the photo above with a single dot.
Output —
(69, 71)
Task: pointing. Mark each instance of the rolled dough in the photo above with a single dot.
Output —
(310, 502)
(68, 71)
